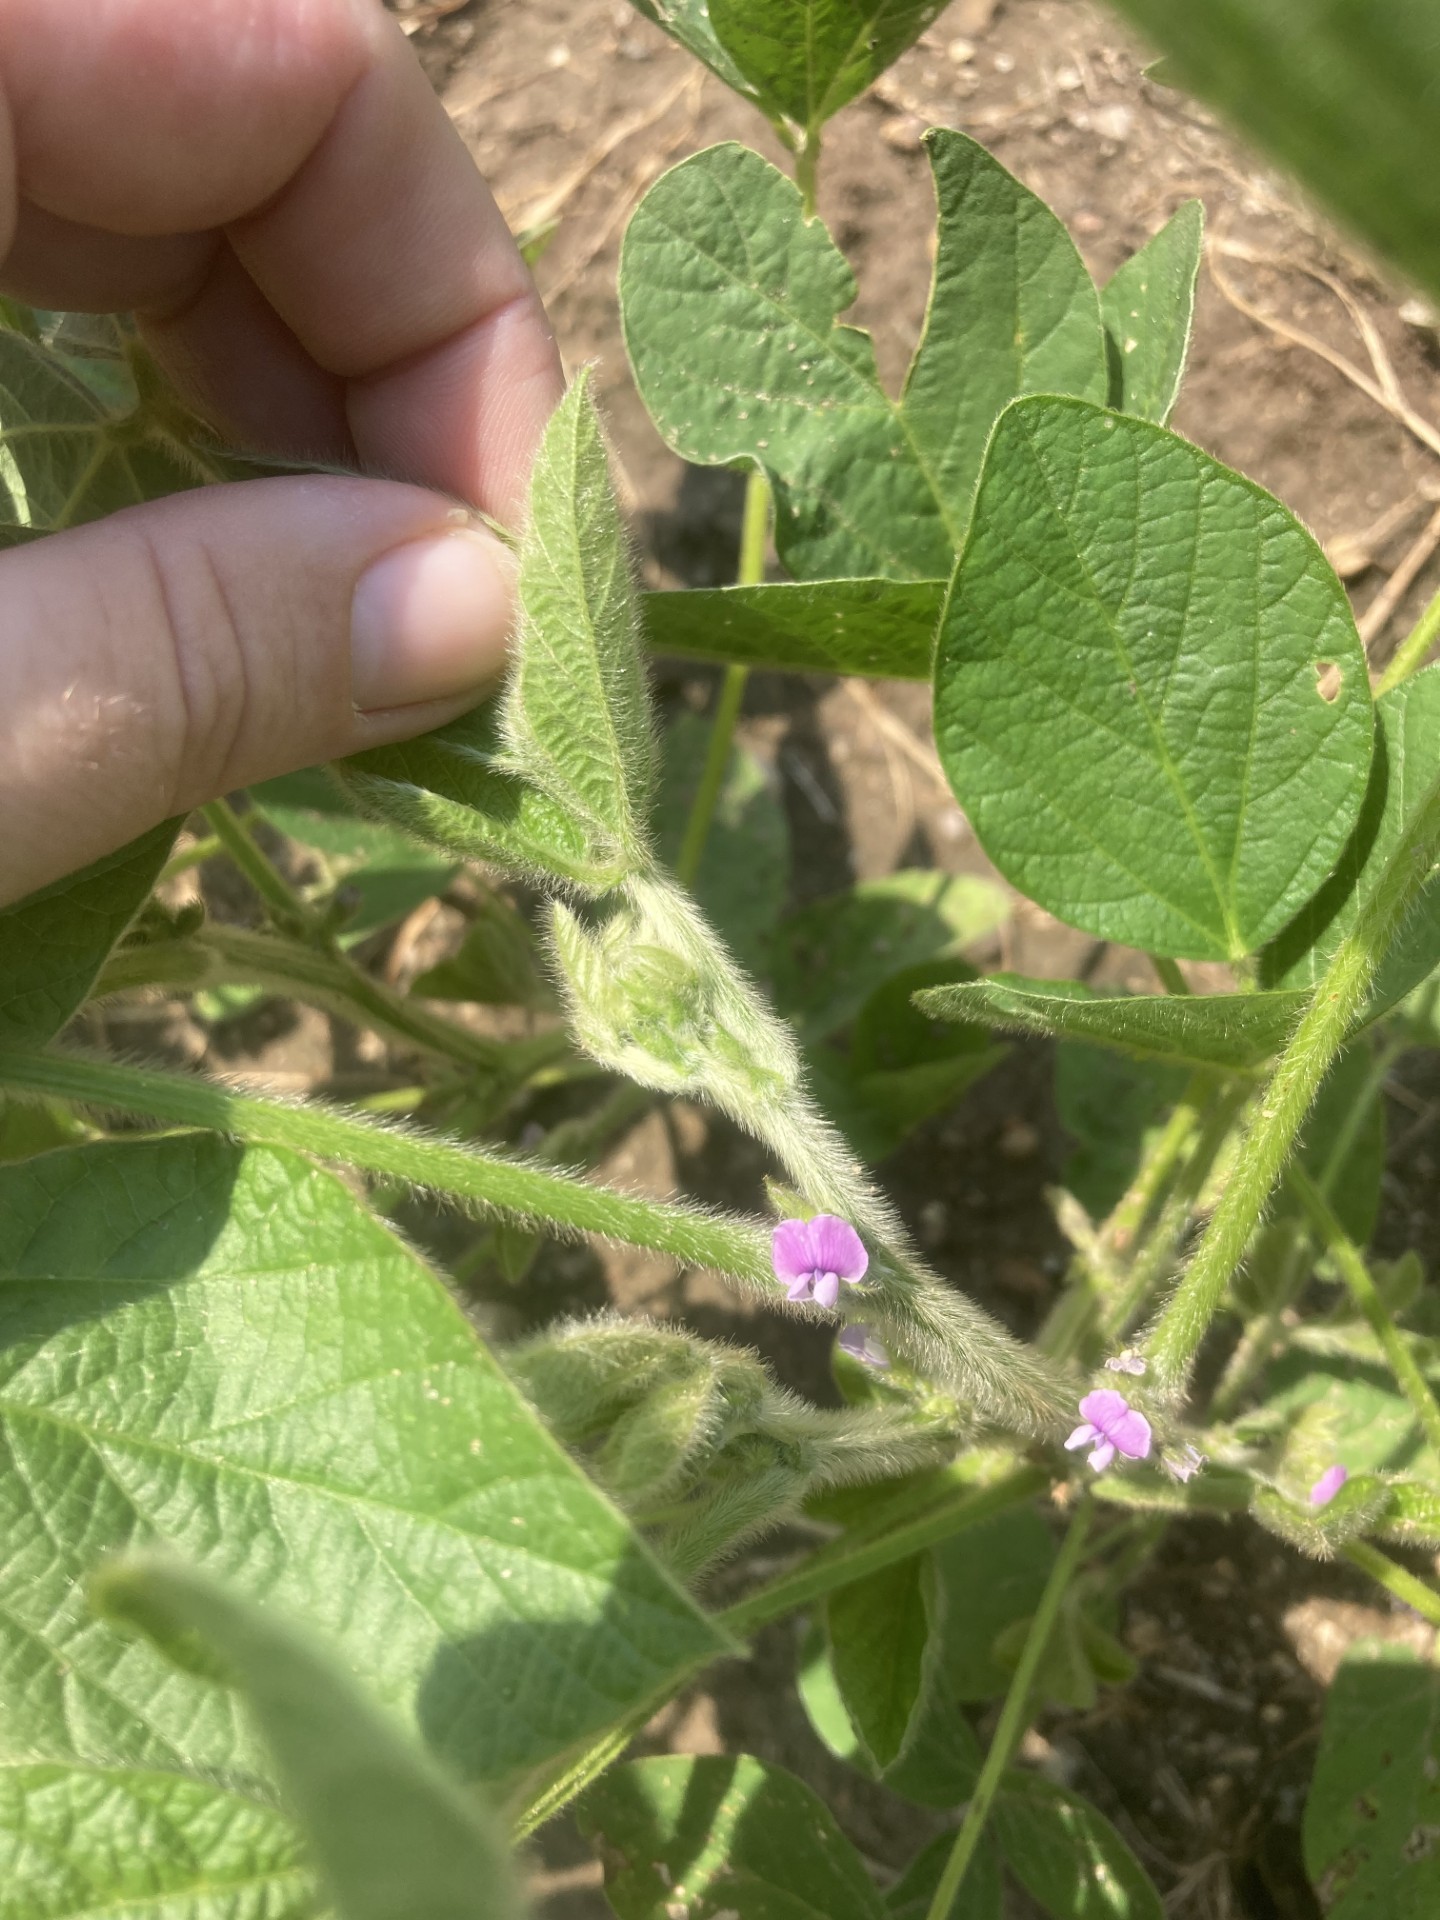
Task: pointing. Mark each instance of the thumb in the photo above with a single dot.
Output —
(176, 650)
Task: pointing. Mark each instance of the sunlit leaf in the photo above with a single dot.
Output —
(1148, 307)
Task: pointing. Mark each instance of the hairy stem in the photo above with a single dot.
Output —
(1337, 1003)
(753, 535)
(1013, 1716)
(857, 1555)
(1366, 1295)
(1409, 656)
(1394, 1578)
(515, 1188)
(288, 909)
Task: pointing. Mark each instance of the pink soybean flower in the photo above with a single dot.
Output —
(861, 1344)
(812, 1257)
(1328, 1485)
(1113, 1425)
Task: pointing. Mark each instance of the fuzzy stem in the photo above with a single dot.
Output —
(1366, 1295)
(1168, 973)
(1409, 656)
(1138, 1205)
(853, 1558)
(289, 910)
(754, 532)
(515, 1188)
(1013, 1716)
(807, 168)
(194, 855)
(1337, 1003)
(1394, 1578)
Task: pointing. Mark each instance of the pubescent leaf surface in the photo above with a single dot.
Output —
(808, 58)
(715, 1835)
(1133, 686)
(719, 248)
(1147, 307)
(54, 942)
(392, 1834)
(221, 1350)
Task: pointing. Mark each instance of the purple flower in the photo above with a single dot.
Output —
(1125, 1363)
(1114, 1424)
(812, 1257)
(1184, 1464)
(1328, 1485)
(861, 1344)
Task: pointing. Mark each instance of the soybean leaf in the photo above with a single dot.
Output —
(1110, 1104)
(824, 1708)
(981, 1896)
(990, 1576)
(688, 21)
(391, 1833)
(67, 452)
(1238, 1031)
(1012, 311)
(1066, 1854)
(718, 249)
(77, 1840)
(54, 942)
(385, 873)
(222, 1350)
(720, 245)
(745, 869)
(722, 1835)
(1349, 1397)
(1407, 757)
(497, 964)
(1147, 308)
(884, 628)
(1133, 701)
(807, 59)
(878, 1630)
(830, 956)
(1373, 1813)
(1341, 93)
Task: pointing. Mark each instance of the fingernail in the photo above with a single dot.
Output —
(430, 620)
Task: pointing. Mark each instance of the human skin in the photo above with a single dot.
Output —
(273, 189)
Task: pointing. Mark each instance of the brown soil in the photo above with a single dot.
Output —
(571, 108)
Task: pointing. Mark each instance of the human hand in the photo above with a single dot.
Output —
(274, 190)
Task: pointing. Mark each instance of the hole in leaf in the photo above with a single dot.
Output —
(1327, 680)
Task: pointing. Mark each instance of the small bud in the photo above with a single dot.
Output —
(861, 1344)
(1328, 1485)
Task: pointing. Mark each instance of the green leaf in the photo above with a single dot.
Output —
(390, 1832)
(1407, 758)
(990, 1576)
(1373, 1816)
(722, 1835)
(808, 58)
(718, 250)
(1341, 93)
(824, 1708)
(497, 964)
(719, 247)
(1131, 692)
(385, 873)
(1111, 1105)
(65, 454)
(577, 711)
(1147, 308)
(830, 956)
(81, 1840)
(688, 21)
(222, 1350)
(53, 943)
(1012, 311)
(878, 1630)
(981, 1896)
(1349, 1408)
(1237, 1031)
(1066, 1854)
(884, 628)
(745, 870)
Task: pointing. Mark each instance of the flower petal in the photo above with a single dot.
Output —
(858, 1341)
(1328, 1485)
(802, 1287)
(1104, 1407)
(1131, 1434)
(826, 1291)
(837, 1248)
(1102, 1456)
(1081, 1437)
(790, 1250)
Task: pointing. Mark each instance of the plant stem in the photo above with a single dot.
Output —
(1013, 1716)
(1366, 1295)
(1137, 1206)
(1328, 1021)
(1168, 973)
(1409, 656)
(807, 168)
(514, 1188)
(853, 1558)
(194, 855)
(274, 889)
(754, 532)
(1394, 1578)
